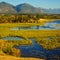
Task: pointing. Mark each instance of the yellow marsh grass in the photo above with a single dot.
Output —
(19, 24)
(4, 32)
(29, 33)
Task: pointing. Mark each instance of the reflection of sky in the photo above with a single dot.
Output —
(12, 38)
(55, 25)
(49, 25)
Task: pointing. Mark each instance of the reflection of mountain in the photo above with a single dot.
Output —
(25, 8)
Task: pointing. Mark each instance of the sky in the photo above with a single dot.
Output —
(36, 3)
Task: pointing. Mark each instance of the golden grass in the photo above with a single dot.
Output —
(16, 58)
(19, 24)
(4, 32)
(28, 33)
(47, 20)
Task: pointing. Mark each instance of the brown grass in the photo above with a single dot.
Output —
(17, 58)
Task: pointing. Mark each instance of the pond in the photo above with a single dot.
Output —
(37, 51)
(12, 38)
(55, 25)
(34, 50)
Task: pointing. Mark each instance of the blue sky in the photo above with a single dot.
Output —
(36, 3)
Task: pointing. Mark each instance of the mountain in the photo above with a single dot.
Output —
(27, 8)
(52, 11)
(7, 8)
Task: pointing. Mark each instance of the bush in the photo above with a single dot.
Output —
(12, 51)
(16, 52)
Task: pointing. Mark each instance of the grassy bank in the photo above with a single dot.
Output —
(17, 58)
(40, 35)
(19, 24)
(29, 33)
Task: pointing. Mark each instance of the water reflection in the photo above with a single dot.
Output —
(55, 25)
(33, 50)
(38, 51)
(12, 38)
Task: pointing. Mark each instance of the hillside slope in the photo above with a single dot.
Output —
(27, 8)
(7, 8)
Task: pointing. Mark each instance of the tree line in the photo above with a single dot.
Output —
(23, 18)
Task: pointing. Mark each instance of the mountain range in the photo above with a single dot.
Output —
(25, 8)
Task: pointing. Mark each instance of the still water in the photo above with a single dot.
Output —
(38, 51)
(55, 25)
(35, 50)
(12, 38)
